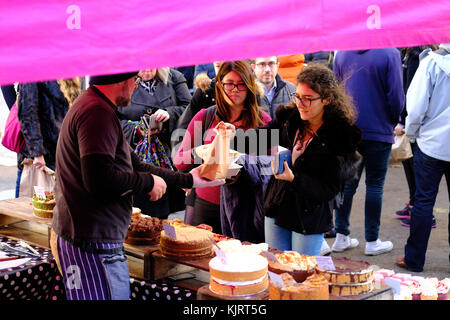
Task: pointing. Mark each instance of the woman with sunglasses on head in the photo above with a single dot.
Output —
(236, 103)
(317, 127)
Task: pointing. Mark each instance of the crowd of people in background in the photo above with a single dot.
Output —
(337, 112)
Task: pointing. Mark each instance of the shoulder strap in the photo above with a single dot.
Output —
(209, 118)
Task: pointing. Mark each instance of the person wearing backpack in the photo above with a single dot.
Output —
(236, 93)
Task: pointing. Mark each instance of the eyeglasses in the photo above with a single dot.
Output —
(230, 86)
(263, 65)
(306, 102)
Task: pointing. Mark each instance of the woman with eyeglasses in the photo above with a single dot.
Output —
(236, 104)
(317, 127)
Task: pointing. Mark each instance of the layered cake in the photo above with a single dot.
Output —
(299, 266)
(190, 242)
(239, 274)
(43, 208)
(315, 287)
(143, 230)
(350, 277)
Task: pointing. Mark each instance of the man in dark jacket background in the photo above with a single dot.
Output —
(374, 80)
(277, 91)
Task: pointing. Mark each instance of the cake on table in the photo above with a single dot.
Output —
(351, 277)
(190, 242)
(299, 266)
(43, 208)
(143, 229)
(239, 274)
(315, 287)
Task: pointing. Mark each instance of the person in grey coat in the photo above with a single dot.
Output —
(277, 91)
(163, 92)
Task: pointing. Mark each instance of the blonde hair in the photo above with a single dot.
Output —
(163, 75)
(71, 88)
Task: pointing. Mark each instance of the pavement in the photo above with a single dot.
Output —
(395, 197)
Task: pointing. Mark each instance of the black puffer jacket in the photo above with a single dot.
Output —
(305, 205)
(41, 109)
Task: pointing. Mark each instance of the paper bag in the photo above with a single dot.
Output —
(216, 159)
(401, 149)
(32, 176)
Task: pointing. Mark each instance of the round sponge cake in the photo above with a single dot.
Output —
(240, 274)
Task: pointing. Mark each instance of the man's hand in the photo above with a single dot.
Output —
(159, 188)
(287, 174)
(39, 162)
(199, 182)
(399, 130)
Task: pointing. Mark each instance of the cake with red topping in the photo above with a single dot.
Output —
(239, 274)
(43, 207)
(315, 287)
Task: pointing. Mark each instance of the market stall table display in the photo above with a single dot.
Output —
(29, 277)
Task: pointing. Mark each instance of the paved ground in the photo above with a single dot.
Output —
(395, 197)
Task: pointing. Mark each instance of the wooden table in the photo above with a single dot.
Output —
(18, 221)
(382, 293)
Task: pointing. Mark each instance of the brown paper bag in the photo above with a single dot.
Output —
(32, 176)
(216, 158)
(401, 149)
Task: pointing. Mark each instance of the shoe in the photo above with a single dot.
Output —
(377, 247)
(344, 242)
(405, 213)
(407, 223)
(330, 234)
(400, 261)
(325, 250)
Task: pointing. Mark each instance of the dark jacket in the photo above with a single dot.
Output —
(200, 100)
(305, 205)
(282, 96)
(41, 109)
(375, 82)
(242, 217)
(173, 98)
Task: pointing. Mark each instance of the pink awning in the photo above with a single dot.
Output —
(53, 39)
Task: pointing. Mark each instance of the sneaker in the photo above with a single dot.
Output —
(377, 247)
(405, 213)
(407, 223)
(325, 250)
(344, 242)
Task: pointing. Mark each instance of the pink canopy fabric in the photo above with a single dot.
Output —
(53, 39)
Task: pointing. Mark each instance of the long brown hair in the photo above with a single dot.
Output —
(251, 114)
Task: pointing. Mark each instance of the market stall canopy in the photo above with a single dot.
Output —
(53, 39)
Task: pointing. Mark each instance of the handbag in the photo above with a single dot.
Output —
(401, 149)
(32, 176)
(150, 149)
(13, 138)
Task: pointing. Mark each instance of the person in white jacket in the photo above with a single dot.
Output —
(428, 124)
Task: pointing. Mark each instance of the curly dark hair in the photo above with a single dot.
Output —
(322, 80)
